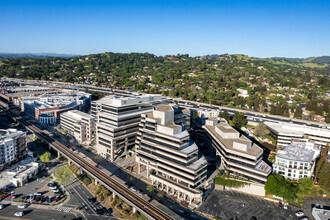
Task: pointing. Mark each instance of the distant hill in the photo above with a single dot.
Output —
(4, 56)
(318, 60)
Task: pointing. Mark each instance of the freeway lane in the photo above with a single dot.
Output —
(261, 116)
(132, 198)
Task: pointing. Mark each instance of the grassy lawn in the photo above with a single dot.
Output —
(272, 139)
(229, 182)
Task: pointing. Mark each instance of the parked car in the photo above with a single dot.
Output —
(285, 206)
(53, 187)
(300, 213)
(55, 190)
(22, 206)
(90, 200)
(19, 214)
(2, 206)
(58, 194)
(133, 189)
(13, 197)
(50, 184)
(304, 218)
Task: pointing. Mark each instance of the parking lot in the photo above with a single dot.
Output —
(230, 204)
(308, 202)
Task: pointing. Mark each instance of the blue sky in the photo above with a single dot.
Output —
(263, 28)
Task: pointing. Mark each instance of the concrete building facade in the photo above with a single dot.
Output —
(167, 155)
(284, 133)
(297, 160)
(239, 155)
(12, 147)
(118, 121)
(48, 108)
(80, 125)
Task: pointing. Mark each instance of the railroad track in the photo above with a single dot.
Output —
(137, 201)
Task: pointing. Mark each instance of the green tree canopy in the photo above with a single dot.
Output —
(63, 175)
(261, 130)
(224, 115)
(239, 120)
(46, 157)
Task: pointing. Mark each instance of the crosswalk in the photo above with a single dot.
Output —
(63, 209)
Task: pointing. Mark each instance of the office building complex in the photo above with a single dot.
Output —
(48, 108)
(238, 154)
(79, 124)
(284, 133)
(118, 121)
(12, 147)
(11, 94)
(297, 160)
(167, 155)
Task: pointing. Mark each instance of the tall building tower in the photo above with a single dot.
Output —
(118, 121)
(167, 155)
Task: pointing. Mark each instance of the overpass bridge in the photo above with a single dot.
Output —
(115, 187)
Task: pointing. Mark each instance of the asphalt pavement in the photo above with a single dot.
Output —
(230, 204)
(35, 214)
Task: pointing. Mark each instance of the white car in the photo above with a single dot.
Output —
(22, 206)
(285, 206)
(300, 213)
(18, 214)
(53, 187)
(55, 190)
(2, 206)
(133, 189)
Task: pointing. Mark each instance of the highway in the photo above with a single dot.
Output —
(131, 197)
(251, 115)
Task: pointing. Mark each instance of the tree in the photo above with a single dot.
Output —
(63, 175)
(150, 188)
(239, 120)
(277, 185)
(322, 169)
(261, 130)
(46, 157)
(224, 115)
(298, 113)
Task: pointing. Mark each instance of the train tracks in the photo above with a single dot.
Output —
(134, 199)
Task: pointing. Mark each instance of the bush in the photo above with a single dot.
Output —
(87, 180)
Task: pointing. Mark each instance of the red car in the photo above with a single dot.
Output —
(5, 196)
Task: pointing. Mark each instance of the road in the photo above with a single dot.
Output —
(35, 214)
(79, 195)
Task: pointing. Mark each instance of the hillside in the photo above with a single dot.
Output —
(210, 79)
(4, 56)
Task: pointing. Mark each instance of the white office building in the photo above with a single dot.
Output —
(12, 147)
(284, 133)
(167, 155)
(207, 113)
(79, 124)
(297, 160)
(118, 121)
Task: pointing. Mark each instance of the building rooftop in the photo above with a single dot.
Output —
(287, 128)
(254, 150)
(299, 151)
(77, 114)
(119, 101)
(263, 166)
(163, 108)
(321, 212)
(9, 133)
